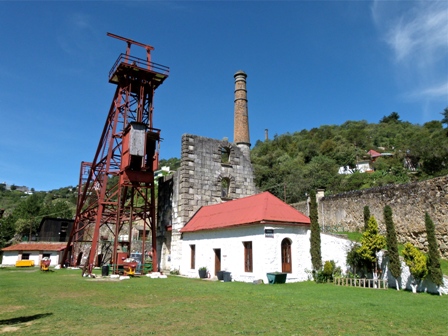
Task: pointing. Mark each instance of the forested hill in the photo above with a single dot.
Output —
(293, 164)
(21, 213)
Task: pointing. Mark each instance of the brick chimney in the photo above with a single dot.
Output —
(241, 122)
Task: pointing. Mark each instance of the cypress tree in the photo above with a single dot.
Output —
(366, 216)
(392, 245)
(316, 257)
(435, 272)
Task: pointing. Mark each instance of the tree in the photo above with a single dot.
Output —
(393, 117)
(173, 163)
(417, 263)
(316, 257)
(371, 243)
(58, 208)
(366, 216)
(445, 116)
(392, 245)
(354, 259)
(434, 270)
(7, 230)
(25, 227)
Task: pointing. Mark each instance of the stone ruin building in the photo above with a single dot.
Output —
(211, 171)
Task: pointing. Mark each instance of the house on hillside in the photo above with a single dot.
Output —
(252, 236)
(364, 166)
(33, 251)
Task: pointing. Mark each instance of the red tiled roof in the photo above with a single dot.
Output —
(373, 153)
(36, 247)
(260, 208)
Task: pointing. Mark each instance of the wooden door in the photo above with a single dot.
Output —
(286, 256)
(217, 260)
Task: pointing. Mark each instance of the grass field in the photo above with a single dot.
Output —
(63, 303)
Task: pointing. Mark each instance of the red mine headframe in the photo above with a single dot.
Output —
(117, 189)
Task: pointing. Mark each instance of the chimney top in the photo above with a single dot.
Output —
(240, 73)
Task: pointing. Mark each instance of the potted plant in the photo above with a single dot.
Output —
(203, 272)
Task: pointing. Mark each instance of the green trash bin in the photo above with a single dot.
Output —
(105, 270)
(276, 277)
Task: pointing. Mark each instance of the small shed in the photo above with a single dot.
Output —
(252, 236)
(33, 251)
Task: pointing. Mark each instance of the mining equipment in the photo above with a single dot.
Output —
(45, 264)
(116, 189)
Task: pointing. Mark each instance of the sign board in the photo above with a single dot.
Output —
(269, 233)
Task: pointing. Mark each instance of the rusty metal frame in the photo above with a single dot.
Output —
(107, 189)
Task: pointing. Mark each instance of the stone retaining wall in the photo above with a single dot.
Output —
(409, 202)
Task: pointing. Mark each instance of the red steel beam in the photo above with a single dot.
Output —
(122, 171)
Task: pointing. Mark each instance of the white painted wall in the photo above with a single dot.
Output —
(10, 257)
(266, 251)
(406, 278)
(335, 248)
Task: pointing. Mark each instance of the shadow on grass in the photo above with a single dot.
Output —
(23, 319)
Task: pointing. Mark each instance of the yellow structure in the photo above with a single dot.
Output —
(24, 263)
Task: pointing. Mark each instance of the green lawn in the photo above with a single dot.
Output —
(64, 303)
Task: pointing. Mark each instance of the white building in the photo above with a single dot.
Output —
(253, 236)
(33, 251)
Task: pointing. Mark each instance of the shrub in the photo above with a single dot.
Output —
(328, 273)
(417, 263)
(372, 242)
(328, 269)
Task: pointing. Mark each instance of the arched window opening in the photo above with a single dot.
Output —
(286, 256)
(225, 185)
(225, 154)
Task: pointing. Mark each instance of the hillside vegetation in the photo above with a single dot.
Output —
(24, 212)
(289, 166)
(293, 164)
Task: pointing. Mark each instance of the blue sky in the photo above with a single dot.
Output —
(309, 63)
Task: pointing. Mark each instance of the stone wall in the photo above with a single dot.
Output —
(409, 202)
(196, 183)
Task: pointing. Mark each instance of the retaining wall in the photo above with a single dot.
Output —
(409, 202)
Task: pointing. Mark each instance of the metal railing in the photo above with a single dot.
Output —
(140, 63)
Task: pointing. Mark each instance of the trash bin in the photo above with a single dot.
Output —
(227, 276)
(105, 270)
(220, 275)
(276, 277)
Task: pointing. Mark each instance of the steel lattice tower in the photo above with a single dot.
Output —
(117, 188)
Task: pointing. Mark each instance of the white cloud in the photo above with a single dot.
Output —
(436, 91)
(77, 35)
(417, 34)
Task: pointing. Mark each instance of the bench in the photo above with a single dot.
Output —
(24, 263)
